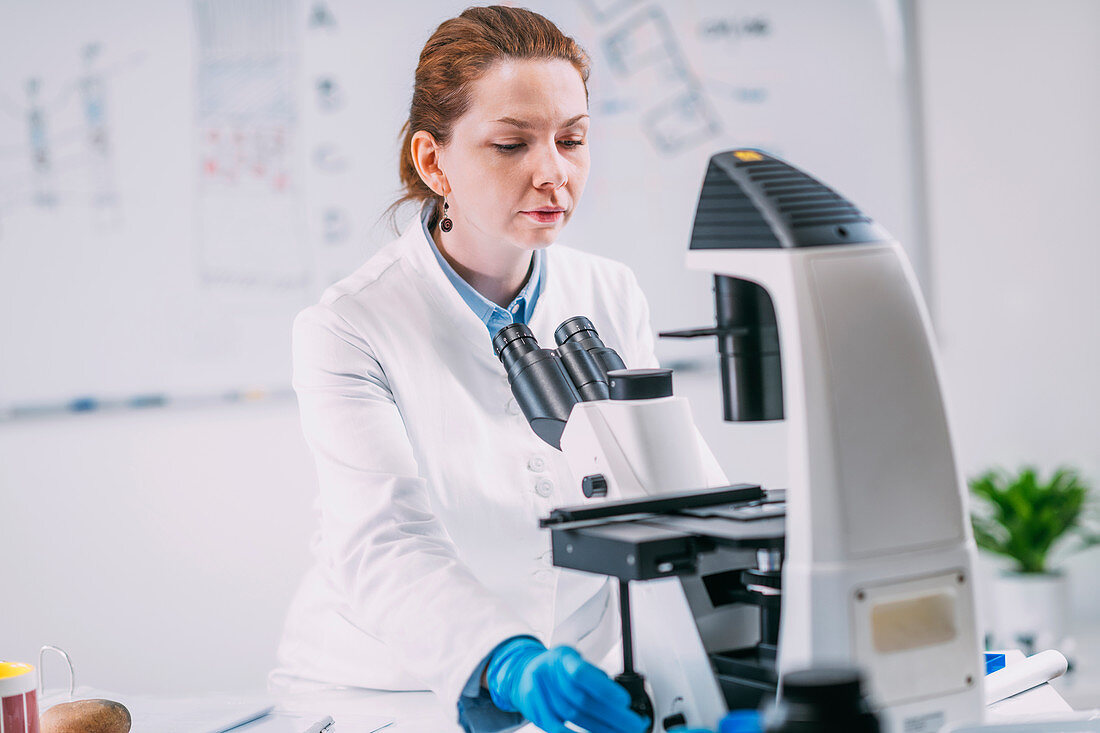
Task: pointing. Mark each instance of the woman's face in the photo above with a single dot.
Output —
(517, 160)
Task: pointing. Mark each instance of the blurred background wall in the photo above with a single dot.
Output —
(160, 546)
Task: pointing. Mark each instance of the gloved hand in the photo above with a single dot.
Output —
(550, 687)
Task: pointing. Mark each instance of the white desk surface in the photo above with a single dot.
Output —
(421, 712)
(412, 712)
(360, 710)
(363, 711)
(353, 710)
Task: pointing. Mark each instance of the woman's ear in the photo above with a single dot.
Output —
(425, 153)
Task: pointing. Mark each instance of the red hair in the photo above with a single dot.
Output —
(459, 53)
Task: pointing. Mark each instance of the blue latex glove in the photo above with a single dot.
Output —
(741, 721)
(550, 687)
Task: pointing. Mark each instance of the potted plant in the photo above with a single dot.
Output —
(1024, 518)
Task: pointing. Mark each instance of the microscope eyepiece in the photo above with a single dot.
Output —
(579, 330)
(542, 388)
(587, 374)
(547, 382)
(509, 335)
(576, 328)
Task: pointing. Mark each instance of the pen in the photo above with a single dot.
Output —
(322, 726)
(251, 718)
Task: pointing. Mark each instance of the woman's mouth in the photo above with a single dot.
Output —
(546, 216)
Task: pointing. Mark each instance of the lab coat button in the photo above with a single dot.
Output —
(512, 407)
(544, 487)
(536, 464)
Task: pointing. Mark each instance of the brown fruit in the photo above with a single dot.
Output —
(86, 716)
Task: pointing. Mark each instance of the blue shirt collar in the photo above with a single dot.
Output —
(492, 315)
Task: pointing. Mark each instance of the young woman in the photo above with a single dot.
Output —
(430, 570)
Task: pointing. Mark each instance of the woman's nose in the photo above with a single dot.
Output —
(550, 170)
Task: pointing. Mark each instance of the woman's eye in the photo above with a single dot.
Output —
(507, 148)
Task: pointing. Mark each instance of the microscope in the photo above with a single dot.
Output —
(864, 560)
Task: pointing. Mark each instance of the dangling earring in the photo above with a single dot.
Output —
(446, 224)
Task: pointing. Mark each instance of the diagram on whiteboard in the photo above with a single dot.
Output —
(672, 101)
(645, 51)
(248, 200)
(65, 157)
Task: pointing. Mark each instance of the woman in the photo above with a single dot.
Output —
(430, 570)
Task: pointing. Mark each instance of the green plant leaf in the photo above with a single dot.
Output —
(1025, 518)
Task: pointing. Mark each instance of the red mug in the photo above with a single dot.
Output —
(18, 698)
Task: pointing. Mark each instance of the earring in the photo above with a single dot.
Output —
(446, 224)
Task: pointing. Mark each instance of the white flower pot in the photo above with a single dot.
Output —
(1029, 611)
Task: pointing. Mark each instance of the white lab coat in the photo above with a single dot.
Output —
(428, 552)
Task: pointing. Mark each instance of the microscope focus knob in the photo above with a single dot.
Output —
(594, 485)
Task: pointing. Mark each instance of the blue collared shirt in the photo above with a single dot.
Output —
(492, 315)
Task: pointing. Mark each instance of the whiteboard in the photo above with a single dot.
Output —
(179, 178)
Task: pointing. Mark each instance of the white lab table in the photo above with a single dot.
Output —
(421, 712)
(352, 709)
(358, 710)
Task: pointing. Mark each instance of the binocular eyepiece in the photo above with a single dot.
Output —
(548, 382)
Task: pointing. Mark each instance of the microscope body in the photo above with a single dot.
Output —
(878, 566)
(866, 559)
(822, 324)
